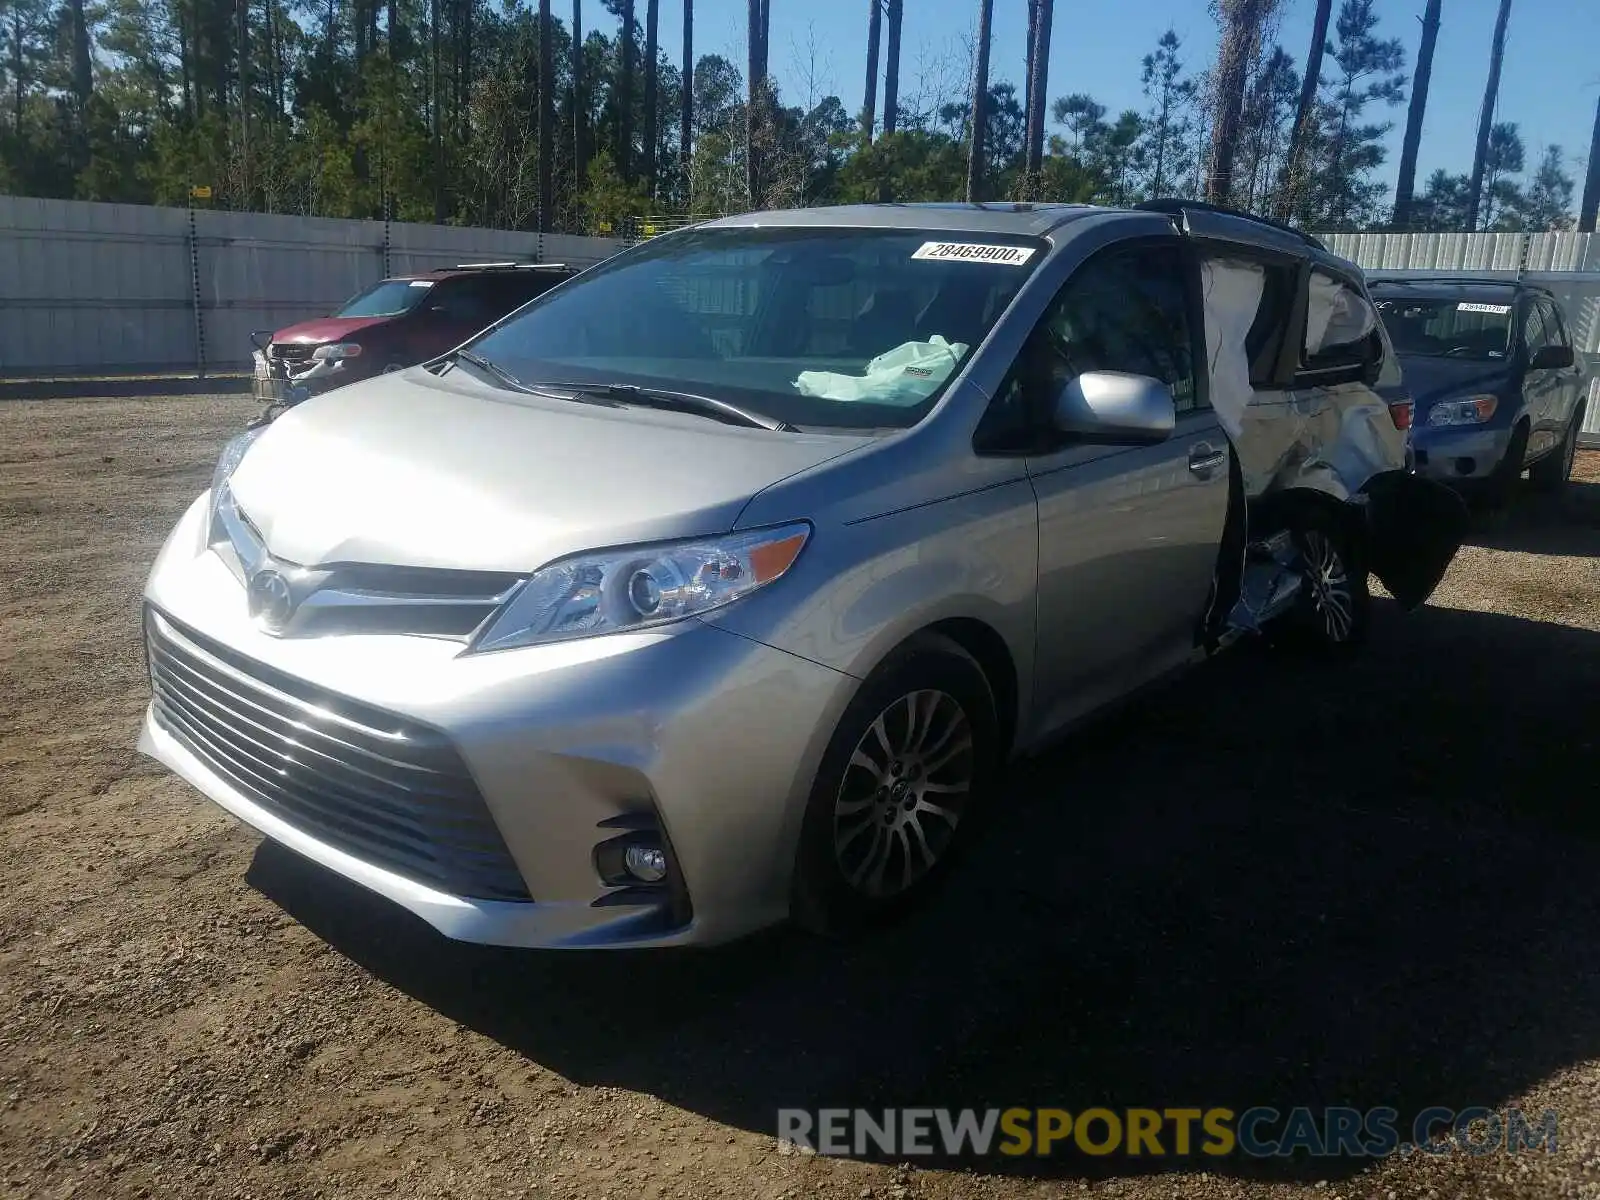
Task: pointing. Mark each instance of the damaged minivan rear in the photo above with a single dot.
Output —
(717, 586)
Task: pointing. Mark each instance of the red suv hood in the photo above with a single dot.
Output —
(326, 329)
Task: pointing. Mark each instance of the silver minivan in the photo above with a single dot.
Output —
(717, 585)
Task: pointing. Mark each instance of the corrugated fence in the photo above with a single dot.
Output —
(87, 288)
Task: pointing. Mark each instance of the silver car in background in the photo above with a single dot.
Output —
(716, 586)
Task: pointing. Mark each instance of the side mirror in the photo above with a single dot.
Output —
(1113, 408)
(1551, 358)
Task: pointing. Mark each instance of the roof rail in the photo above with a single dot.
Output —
(1175, 205)
(499, 266)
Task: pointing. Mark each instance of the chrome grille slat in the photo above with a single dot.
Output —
(307, 757)
(304, 710)
(296, 728)
(263, 755)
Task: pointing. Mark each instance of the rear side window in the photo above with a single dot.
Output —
(1341, 326)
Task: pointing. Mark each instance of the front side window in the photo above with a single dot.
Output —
(1555, 331)
(1447, 327)
(826, 328)
(389, 298)
(1126, 309)
(1533, 332)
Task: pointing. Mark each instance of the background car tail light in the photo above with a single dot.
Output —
(1401, 413)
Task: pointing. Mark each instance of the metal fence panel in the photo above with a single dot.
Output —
(87, 287)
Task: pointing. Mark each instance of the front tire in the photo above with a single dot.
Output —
(1550, 474)
(899, 787)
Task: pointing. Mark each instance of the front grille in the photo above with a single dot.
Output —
(381, 788)
(291, 351)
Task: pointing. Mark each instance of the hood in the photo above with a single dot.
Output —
(326, 329)
(1431, 379)
(412, 470)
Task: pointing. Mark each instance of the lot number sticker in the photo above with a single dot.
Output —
(978, 252)
(1497, 309)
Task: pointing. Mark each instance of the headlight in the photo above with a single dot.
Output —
(232, 455)
(616, 590)
(1474, 410)
(337, 351)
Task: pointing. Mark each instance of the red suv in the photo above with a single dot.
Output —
(395, 323)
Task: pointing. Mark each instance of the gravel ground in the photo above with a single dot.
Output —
(1266, 884)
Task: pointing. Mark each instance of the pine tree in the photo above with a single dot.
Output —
(1168, 146)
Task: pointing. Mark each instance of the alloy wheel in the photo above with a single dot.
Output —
(1331, 597)
(903, 793)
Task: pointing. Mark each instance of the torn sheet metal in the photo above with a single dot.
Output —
(1330, 439)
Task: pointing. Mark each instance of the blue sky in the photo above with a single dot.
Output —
(1549, 84)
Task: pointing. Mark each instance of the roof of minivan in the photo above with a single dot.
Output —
(1029, 220)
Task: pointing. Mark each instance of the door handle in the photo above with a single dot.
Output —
(1203, 459)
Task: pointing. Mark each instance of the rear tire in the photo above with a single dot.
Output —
(899, 787)
(1549, 475)
(1332, 614)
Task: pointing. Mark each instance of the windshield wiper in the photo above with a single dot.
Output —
(689, 402)
(489, 367)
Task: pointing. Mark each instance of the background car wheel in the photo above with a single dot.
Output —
(1501, 488)
(1333, 612)
(1550, 474)
(390, 367)
(899, 787)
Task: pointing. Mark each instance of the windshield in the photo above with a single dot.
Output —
(853, 328)
(387, 299)
(1444, 327)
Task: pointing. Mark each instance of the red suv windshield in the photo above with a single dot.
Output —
(389, 298)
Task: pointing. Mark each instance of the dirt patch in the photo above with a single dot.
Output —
(1268, 884)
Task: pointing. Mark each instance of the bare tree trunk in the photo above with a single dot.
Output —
(1491, 95)
(625, 97)
(652, 26)
(1406, 184)
(1305, 110)
(579, 108)
(547, 115)
(1590, 208)
(464, 102)
(438, 129)
(1241, 28)
(244, 94)
(869, 106)
(1039, 81)
(1027, 70)
(686, 117)
(976, 158)
(82, 69)
(891, 69)
(753, 122)
(390, 24)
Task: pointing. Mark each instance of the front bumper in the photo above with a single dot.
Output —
(713, 736)
(276, 381)
(1458, 454)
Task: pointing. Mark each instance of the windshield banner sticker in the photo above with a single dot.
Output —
(1498, 309)
(1008, 256)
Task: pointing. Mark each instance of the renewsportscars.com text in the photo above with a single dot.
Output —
(1260, 1132)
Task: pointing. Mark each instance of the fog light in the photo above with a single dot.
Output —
(648, 864)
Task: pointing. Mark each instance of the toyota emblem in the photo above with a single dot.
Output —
(271, 600)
